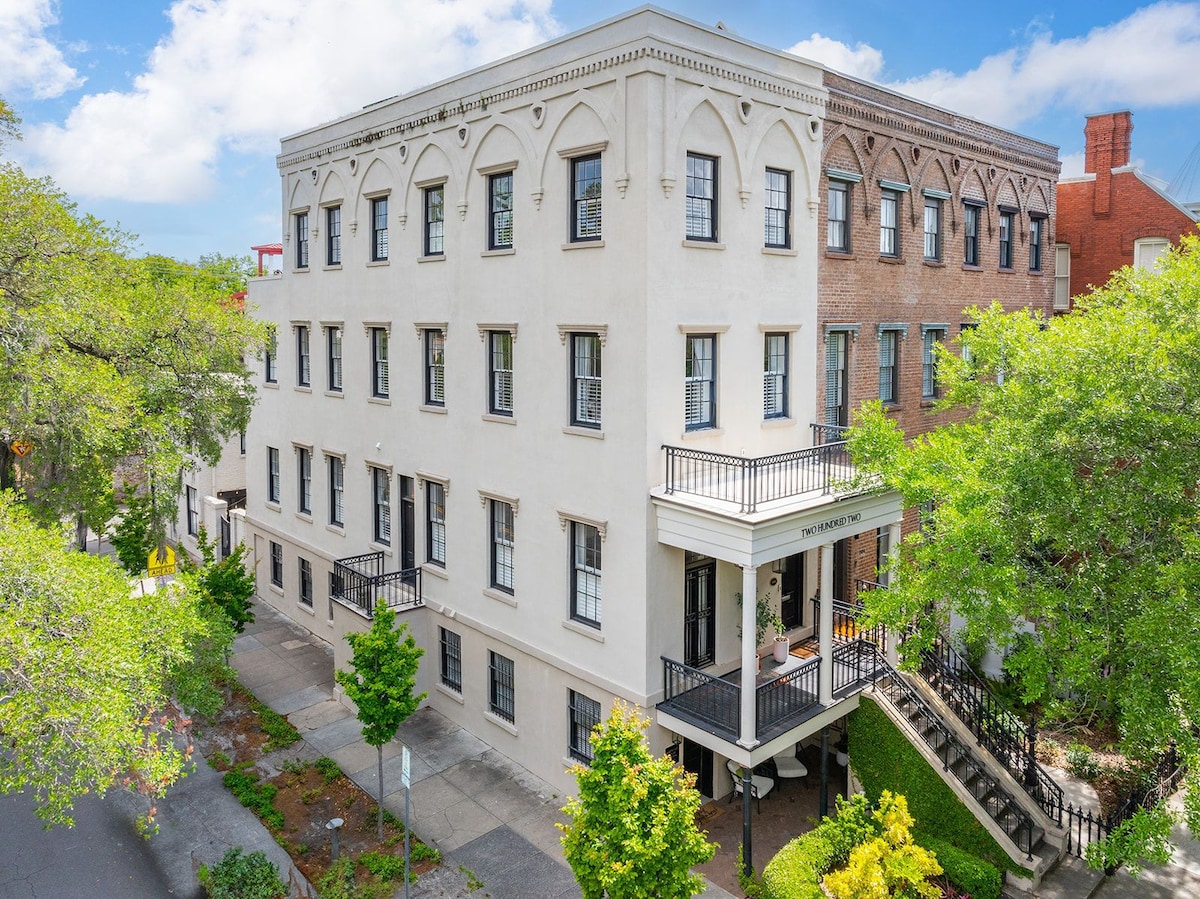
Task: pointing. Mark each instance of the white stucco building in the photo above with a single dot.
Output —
(546, 359)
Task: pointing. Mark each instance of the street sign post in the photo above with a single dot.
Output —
(161, 561)
(405, 778)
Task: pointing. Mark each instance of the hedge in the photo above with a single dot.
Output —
(982, 880)
(883, 759)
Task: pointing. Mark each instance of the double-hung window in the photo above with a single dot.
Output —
(193, 513)
(337, 491)
(585, 573)
(1006, 238)
(379, 362)
(1037, 229)
(501, 538)
(435, 367)
(931, 335)
(889, 365)
(500, 373)
(933, 228)
(304, 479)
(502, 694)
(837, 385)
(889, 234)
(1062, 277)
(971, 234)
(333, 357)
(585, 380)
(276, 564)
(700, 382)
(379, 229)
(333, 235)
(272, 474)
(306, 587)
(500, 211)
(775, 375)
(435, 220)
(301, 227)
(837, 227)
(435, 523)
(271, 356)
(585, 198)
(584, 715)
(303, 356)
(777, 210)
(381, 504)
(701, 201)
(450, 653)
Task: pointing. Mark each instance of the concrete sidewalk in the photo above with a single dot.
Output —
(486, 814)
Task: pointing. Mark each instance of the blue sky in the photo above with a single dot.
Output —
(165, 117)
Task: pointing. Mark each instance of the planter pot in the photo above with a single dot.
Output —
(781, 649)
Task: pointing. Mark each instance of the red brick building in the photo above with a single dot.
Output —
(1113, 214)
(927, 213)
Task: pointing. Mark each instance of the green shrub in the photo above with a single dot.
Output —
(883, 759)
(281, 733)
(328, 768)
(421, 853)
(981, 879)
(1082, 762)
(257, 797)
(796, 870)
(238, 876)
(383, 866)
(338, 883)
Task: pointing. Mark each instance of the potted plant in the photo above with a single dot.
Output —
(762, 617)
(782, 644)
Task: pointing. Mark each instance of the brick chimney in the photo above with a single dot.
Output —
(1106, 146)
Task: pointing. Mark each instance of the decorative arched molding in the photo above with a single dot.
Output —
(609, 126)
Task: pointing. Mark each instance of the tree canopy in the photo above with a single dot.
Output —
(632, 833)
(86, 670)
(104, 356)
(1066, 499)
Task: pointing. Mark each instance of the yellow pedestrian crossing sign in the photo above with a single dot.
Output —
(161, 561)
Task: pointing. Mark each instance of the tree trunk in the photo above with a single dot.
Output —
(379, 749)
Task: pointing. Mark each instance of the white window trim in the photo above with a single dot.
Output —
(565, 518)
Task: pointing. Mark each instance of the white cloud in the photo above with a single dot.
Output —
(32, 64)
(1072, 164)
(859, 61)
(240, 73)
(1145, 60)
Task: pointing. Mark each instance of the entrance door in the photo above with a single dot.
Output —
(791, 607)
(699, 618)
(407, 525)
(699, 761)
(841, 564)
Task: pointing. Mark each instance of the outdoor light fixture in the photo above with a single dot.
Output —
(333, 826)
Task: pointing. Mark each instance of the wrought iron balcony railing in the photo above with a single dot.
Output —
(361, 581)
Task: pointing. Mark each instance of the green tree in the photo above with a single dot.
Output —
(385, 660)
(227, 584)
(105, 357)
(887, 863)
(85, 669)
(1067, 498)
(632, 833)
(133, 536)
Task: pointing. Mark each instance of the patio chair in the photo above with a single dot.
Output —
(759, 786)
(788, 766)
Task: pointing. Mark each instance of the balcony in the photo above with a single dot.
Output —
(361, 583)
(746, 486)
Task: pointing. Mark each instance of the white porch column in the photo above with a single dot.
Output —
(748, 729)
(893, 643)
(826, 624)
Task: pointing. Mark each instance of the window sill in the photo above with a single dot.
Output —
(891, 260)
(781, 421)
(702, 244)
(891, 407)
(332, 267)
(435, 569)
(500, 722)
(380, 400)
(337, 394)
(502, 251)
(375, 263)
(338, 529)
(305, 516)
(583, 244)
(303, 388)
(436, 410)
(1006, 271)
(779, 251)
(276, 589)
(577, 431)
(500, 596)
(933, 263)
(583, 630)
(274, 506)
(433, 257)
(499, 419)
(271, 385)
(698, 433)
(1037, 272)
(968, 267)
(448, 693)
(385, 548)
(839, 254)
(300, 270)
(928, 402)
(305, 608)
